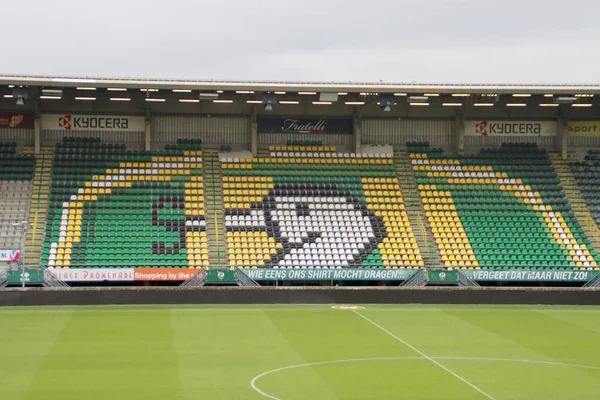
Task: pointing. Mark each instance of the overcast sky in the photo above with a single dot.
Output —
(426, 41)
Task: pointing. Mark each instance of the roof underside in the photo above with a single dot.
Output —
(267, 86)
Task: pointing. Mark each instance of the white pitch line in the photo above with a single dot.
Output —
(424, 355)
(257, 377)
(516, 360)
(326, 307)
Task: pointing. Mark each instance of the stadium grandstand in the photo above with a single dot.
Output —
(298, 240)
(123, 180)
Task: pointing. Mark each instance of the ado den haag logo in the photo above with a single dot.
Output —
(65, 122)
(481, 128)
(328, 224)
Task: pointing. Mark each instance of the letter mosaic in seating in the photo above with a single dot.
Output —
(501, 208)
(112, 207)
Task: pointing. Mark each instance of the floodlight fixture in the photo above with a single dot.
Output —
(268, 100)
(386, 102)
(22, 95)
(208, 96)
(52, 92)
(417, 99)
(565, 99)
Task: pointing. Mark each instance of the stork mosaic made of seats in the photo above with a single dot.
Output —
(314, 207)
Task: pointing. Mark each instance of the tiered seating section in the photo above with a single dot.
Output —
(312, 207)
(501, 208)
(113, 207)
(301, 206)
(16, 174)
(587, 175)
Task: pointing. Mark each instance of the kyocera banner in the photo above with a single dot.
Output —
(16, 121)
(70, 122)
(584, 128)
(510, 128)
(305, 125)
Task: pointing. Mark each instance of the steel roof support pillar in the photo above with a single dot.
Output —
(457, 142)
(357, 131)
(37, 127)
(562, 138)
(253, 137)
(562, 131)
(148, 130)
(37, 134)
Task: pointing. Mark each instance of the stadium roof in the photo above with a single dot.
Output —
(379, 87)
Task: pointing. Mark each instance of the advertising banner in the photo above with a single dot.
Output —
(510, 128)
(220, 276)
(93, 274)
(317, 126)
(340, 274)
(16, 121)
(9, 255)
(549, 275)
(584, 128)
(165, 274)
(442, 276)
(71, 122)
(32, 277)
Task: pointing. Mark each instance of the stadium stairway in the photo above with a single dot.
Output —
(575, 197)
(34, 239)
(215, 222)
(415, 213)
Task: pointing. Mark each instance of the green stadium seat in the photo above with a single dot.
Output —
(113, 207)
(501, 208)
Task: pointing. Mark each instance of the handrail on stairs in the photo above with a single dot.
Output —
(214, 195)
(37, 211)
(576, 199)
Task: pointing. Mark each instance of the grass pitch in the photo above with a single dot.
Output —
(300, 352)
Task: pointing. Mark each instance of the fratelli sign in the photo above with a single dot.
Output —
(316, 126)
(70, 122)
(510, 128)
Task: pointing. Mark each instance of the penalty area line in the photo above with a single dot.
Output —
(413, 348)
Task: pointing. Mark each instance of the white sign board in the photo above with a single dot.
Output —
(9, 255)
(93, 274)
(510, 128)
(72, 122)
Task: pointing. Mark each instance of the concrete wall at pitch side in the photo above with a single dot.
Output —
(237, 295)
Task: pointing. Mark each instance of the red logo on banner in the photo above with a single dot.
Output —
(481, 128)
(15, 255)
(65, 122)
